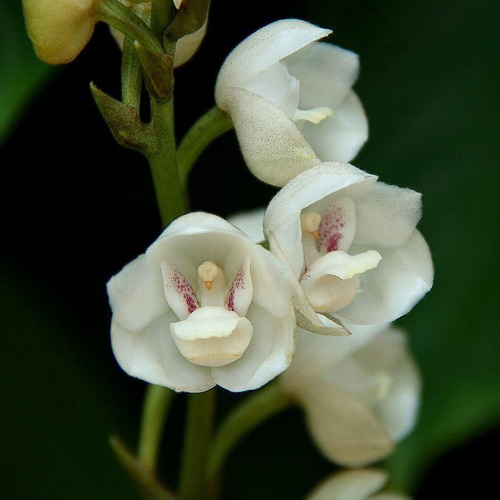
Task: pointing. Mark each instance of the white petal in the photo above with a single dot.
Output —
(136, 294)
(196, 223)
(308, 319)
(269, 353)
(405, 274)
(349, 485)
(340, 136)
(179, 293)
(326, 73)
(151, 355)
(338, 226)
(241, 290)
(261, 50)
(343, 428)
(277, 86)
(272, 145)
(271, 280)
(187, 46)
(318, 354)
(250, 222)
(398, 410)
(386, 215)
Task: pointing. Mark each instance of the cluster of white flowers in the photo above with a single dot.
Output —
(207, 304)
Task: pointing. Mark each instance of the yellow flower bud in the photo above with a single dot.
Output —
(59, 29)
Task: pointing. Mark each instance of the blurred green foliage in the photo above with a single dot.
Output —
(21, 71)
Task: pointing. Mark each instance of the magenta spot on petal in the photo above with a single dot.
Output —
(190, 302)
(238, 283)
(179, 283)
(333, 242)
(330, 230)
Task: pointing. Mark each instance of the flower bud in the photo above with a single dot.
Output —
(59, 29)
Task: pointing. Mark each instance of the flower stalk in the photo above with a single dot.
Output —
(257, 408)
(157, 403)
(206, 129)
(192, 483)
(123, 19)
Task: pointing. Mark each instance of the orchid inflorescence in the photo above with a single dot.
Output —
(294, 301)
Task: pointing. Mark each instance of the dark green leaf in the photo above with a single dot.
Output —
(430, 79)
(22, 73)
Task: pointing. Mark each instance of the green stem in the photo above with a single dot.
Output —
(123, 19)
(131, 75)
(163, 163)
(192, 483)
(154, 412)
(257, 408)
(210, 126)
(162, 12)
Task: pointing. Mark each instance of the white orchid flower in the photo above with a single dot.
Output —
(360, 393)
(351, 242)
(203, 306)
(363, 484)
(290, 100)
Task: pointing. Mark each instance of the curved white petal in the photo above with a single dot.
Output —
(317, 354)
(187, 46)
(272, 145)
(136, 294)
(398, 410)
(197, 223)
(241, 290)
(404, 275)
(261, 50)
(250, 222)
(349, 485)
(340, 136)
(277, 86)
(151, 355)
(343, 428)
(387, 215)
(268, 355)
(326, 73)
(308, 319)
(271, 282)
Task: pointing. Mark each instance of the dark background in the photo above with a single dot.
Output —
(76, 208)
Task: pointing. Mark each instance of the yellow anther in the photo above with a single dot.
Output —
(310, 222)
(208, 272)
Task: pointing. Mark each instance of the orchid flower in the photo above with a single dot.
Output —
(360, 393)
(203, 306)
(352, 244)
(290, 100)
(363, 484)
